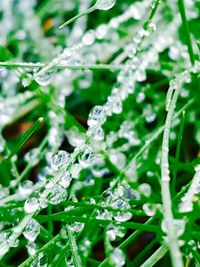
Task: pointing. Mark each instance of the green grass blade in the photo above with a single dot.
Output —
(26, 136)
(74, 248)
(77, 17)
(186, 29)
(178, 150)
(155, 257)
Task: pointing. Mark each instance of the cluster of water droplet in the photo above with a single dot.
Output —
(31, 230)
(125, 84)
(115, 232)
(186, 204)
(117, 257)
(32, 156)
(6, 242)
(76, 227)
(178, 224)
(10, 105)
(56, 131)
(41, 260)
(44, 75)
(118, 200)
(32, 204)
(26, 188)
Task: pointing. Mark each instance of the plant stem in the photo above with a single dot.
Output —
(132, 237)
(127, 241)
(71, 219)
(30, 165)
(160, 130)
(143, 254)
(155, 257)
(90, 10)
(61, 66)
(165, 188)
(178, 149)
(153, 12)
(187, 31)
(44, 248)
(96, 206)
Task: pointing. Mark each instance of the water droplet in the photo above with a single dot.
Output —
(26, 188)
(3, 192)
(67, 53)
(145, 189)
(130, 50)
(57, 195)
(114, 23)
(107, 195)
(99, 167)
(140, 97)
(149, 114)
(96, 133)
(85, 246)
(138, 37)
(119, 191)
(86, 156)
(69, 259)
(118, 159)
(140, 75)
(117, 106)
(117, 258)
(104, 4)
(88, 38)
(32, 230)
(44, 79)
(149, 209)
(186, 205)
(149, 28)
(197, 168)
(13, 243)
(104, 215)
(120, 216)
(101, 31)
(96, 116)
(27, 80)
(60, 159)
(174, 52)
(153, 4)
(42, 260)
(136, 13)
(66, 179)
(32, 204)
(108, 108)
(131, 194)
(178, 224)
(114, 231)
(31, 248)
(75, 138)
(180, 227)
(4, 246)
(75, 170)
(32, 156)
(76, 227)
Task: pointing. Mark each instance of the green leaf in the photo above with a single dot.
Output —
(5, 54)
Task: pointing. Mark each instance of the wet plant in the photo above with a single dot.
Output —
(99, 133)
